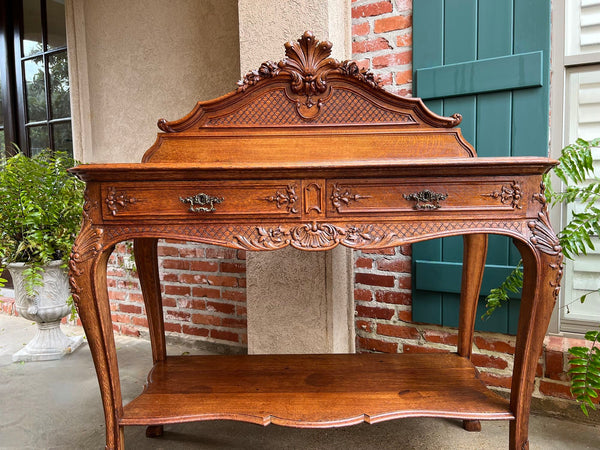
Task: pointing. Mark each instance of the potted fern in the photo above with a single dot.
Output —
(576, 172)
(40, 216)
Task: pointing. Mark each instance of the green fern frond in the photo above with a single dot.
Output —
(498, 296)
(585, 372)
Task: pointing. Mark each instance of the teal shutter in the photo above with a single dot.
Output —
(489, 61)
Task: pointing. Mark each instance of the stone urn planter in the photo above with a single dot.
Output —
(47, 309)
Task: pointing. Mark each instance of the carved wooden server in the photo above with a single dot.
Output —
(312, 153)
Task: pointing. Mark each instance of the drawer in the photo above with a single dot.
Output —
(200, 199)
(395, 196)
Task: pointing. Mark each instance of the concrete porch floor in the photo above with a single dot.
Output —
(56, 404)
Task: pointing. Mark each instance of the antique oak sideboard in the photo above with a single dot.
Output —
(313, 153)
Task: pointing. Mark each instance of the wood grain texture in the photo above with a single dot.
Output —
(313, 391)
(311, 153)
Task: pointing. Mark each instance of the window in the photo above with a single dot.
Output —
(35, 109)
(576, 113)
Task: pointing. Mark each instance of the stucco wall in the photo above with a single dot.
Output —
(135, 61)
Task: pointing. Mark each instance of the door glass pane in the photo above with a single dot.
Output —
(63, 139)
(38, 139)
(32, 27)
(582, 26)
(59, 85)
(35, 91)
(55, 18)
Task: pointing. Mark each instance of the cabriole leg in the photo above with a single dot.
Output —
(88, 286)
(542, 270)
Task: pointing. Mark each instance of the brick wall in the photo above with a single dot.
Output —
(204, 293)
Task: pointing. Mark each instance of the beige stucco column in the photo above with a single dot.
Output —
(133, 62)
(298, 302)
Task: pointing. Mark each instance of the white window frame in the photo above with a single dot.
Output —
(559, 117)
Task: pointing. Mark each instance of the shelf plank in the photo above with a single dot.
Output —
(313, 391)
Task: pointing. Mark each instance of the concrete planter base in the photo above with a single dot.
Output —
(47, 308)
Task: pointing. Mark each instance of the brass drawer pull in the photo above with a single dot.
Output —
(426, 199)
(201, 202)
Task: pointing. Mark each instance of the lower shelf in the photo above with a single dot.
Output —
(313, 391)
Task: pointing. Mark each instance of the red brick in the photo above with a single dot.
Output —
(374, 280)
(174, 314)
(405, 282)
(195, 331)
(167, 250)
(364, 325)
(361, 29)
(225, 308)
(242, 282)
(220, 253)
(206, 292)
(175, 327)
(241, 254)
(370, 45)
(178, 264)
(411, 348)
(169, 276)
(394, 265)
(117, 295)
(236, 296)
(229, 267)
(404, 77)
(204, 266)
(406, 250)
(173, 289)
(392, 59)
(555, 366)
(186, 252)
(233, 323)
(121, 318)
(169, 301)
(558, 390)
(240, 310)
(404, 40)
(399, 331)
(136, 298)
(491, 362)
(111, 282)
(116, 328)
(495, 380)
(397, 298)
(224, 335)
(130, 331)
(373, 9)
(363, 64)
(376, 345)
(405, 316)
(364, 263)
(140, 321)
(217, 280)
(192, 278)
(494, 345)
(440, 337)
(114, 306)
(191, 303)
(206, 319)
(374, 313)
(364, 295)
(131, 309)
(115, 272)
(392, 23)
